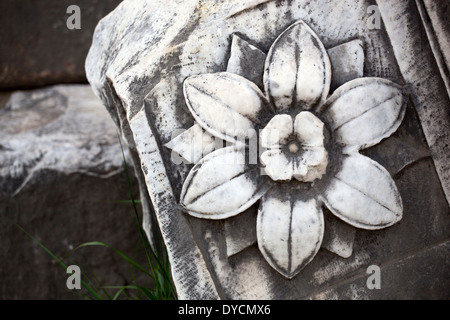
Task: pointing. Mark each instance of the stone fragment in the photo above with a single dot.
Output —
(141, 81)
(62, 129)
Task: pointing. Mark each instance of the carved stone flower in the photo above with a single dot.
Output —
(296, 147)
(308, 152)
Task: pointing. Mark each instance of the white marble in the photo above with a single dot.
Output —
(359, 114)
(225, 70)
(61, 128)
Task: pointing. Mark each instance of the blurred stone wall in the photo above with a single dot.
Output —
(37, 48)
(61, 197)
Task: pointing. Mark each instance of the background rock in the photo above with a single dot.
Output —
(38, 49)
(61, 179)
(61, 128)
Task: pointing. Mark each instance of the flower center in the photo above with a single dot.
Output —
(296, 148)
(293, 147)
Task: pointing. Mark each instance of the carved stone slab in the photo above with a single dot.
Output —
(58, 129)
(285, 145)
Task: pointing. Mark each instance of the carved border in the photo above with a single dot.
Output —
(420, 67)
(190, 274)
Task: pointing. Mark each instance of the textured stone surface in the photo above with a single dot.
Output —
(63, 211)
(38, 49)
(425, 76)
(359, 114)
(140, 75)
(60, 128)
(434, 14)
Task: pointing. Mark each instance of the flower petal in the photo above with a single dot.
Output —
(289, 231)
(277, 131)
(309, 129)
(297, 70)
(224, 104)
(364, 111)
(276, 165)
(300, 170)
(221, 185)
(314, 156)
(246, 60)
(363, 194)
(312, 165)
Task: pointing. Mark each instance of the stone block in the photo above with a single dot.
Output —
(360, 113)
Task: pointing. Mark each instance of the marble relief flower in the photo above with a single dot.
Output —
(309, 145)
(296, 148)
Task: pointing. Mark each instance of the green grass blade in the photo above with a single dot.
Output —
(143, 237)
(120, 253)
(160, 269)
(145, 290)
(126, 201)
(116, 296)
(99, 284)
(83, 283)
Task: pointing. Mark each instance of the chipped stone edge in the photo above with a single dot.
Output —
(405, 27)
(189, 271)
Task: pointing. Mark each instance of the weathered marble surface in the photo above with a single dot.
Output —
(139, 60)
(60, 129)
(61, 179)
(302, 144)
